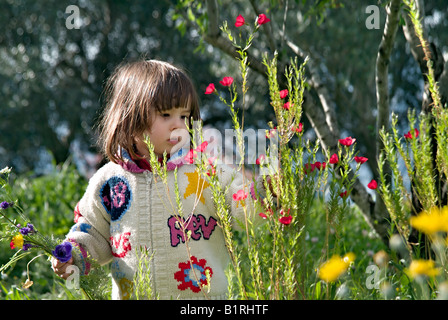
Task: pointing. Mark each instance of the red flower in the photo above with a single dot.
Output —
(287, 105)
(283, 93)
(239, 21)
(360, 160)
(343, 194)
(189, 157)
(226, 81)
(263, 215)
(309, 167)
(240, 195)
(262, 19)
(347, 141)
(210, 89)
(260, 159)
(270, 133)
(334, 159)
(212, 170)
(298, 129)
(285, 219)
(372, 185)
(409, 134)
(211, 160)
(202, 147)
(319, 165)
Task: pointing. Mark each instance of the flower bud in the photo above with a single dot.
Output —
(381, 258)
(396, 243)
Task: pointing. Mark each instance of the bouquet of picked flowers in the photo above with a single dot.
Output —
(23, 236)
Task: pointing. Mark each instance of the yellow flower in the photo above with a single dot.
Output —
(17, 242)
(432, 221)
(332, 269)
(422, 268)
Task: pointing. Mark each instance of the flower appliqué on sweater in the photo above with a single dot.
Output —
(193, 274)
(116, 197)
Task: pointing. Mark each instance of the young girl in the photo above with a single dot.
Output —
(126, 207)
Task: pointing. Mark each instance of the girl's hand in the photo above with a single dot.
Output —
(60, 268)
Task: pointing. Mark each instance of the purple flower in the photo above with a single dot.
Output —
(6, 205)
(29, 229)
(63, 252)
(25, 231)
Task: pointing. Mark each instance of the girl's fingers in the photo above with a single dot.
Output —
(60, 268)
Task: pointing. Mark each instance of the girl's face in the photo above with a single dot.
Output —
(168, 132)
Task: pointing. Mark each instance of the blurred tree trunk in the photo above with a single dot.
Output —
(380, 213)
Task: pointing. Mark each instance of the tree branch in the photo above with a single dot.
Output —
(382, 68)
(379, 212)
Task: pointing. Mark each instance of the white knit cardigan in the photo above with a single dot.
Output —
(126, 209)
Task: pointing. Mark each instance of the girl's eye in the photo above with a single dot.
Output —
(165, 115)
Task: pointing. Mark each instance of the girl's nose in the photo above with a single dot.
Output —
(177, 123)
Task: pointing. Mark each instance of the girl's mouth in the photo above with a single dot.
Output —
(174, 141)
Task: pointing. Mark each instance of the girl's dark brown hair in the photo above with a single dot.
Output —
(133, 94)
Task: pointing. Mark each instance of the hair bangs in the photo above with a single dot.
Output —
(175, 90)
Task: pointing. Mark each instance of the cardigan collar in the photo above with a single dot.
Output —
(140, 166)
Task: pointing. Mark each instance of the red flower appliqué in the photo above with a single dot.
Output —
(188, 270)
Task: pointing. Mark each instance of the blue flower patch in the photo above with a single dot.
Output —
(116, 197)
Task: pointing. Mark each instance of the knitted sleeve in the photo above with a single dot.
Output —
(91, 232)
(243, 197)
